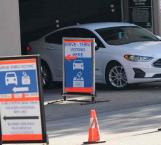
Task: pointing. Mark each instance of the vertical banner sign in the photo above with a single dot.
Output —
(21, 108)
(79, 77)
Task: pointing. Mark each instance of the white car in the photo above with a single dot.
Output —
(78, 64)
(11, 78)
(125, 53)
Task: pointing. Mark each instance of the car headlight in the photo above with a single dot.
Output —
(137, 58)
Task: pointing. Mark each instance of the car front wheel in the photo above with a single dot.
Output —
(116, 76)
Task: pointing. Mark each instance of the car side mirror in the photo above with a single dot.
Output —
(96, 46)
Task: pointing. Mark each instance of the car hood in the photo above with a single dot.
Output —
(143, 48)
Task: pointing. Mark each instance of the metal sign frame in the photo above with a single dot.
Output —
(42, 113)
(92, 41)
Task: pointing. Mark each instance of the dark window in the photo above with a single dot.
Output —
(54, 38)
(74, 33)
(83, 33)
(125, 35)
(58, 36)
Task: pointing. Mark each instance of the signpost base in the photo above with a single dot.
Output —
(93, 99)
(82, 101)
(64, 98)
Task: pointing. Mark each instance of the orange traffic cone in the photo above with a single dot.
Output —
(94, 133)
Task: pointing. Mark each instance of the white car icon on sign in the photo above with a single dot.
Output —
(11, 78)
(78, 64)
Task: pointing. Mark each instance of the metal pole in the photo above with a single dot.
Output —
(0, 130)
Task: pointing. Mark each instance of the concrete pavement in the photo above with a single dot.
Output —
(144, 139)
(122, 121)
(136, 126)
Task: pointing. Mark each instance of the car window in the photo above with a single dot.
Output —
(54, 38)
(10, 75)
(73, 32)
(57, 36)
(83, 33)
(125, 35)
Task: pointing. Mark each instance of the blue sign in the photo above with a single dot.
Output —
(18, 76)
(21, 106)
(18, 81)
(79, 66)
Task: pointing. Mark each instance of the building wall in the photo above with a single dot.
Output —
(157, 16)
(38, 17)
(36, 14)
(9, 28)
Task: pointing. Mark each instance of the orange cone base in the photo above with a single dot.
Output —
(94, 142)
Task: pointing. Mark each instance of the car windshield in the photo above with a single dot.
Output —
(78, 61)
(10, 75)
(125, 34)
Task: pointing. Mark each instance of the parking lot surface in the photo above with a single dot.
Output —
(124, 116)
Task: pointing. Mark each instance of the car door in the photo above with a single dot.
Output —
(85, 33)
(54, 47)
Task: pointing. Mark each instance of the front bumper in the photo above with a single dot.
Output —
(138, 72)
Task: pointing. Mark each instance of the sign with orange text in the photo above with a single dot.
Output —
(79, 66)
(22, 114)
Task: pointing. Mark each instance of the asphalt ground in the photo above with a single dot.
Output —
(122, 113)
(125, 117)
(106, 100)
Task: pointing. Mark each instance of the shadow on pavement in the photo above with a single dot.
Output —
(143, 86)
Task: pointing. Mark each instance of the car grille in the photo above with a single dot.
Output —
(157, 63)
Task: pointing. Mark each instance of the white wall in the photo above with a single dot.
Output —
(9, 28)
